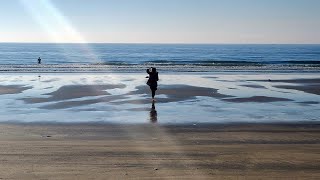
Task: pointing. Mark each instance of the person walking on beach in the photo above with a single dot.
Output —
(39, 60)
(153, 81)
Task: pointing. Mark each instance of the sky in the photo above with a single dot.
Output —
(161, 21)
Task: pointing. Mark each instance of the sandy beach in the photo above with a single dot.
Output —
(105, 151)
(202, 126)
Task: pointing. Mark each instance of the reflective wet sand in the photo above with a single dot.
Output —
(185, 98)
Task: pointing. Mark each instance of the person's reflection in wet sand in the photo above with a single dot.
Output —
(153, 113)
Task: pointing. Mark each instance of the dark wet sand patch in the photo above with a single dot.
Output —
(257, 99)
(48, 87)
(253, 86)
(72, 104)
(181, 92)
(311, 89)
(174, 93)
(79, 91)
(139, 109)
(13, 89)
(89, 110)
(211, 77)
(309, 102)
(208, 106)
(128, 80)
(294, 81)
(73, 92)
(228, 80)
(51, 80)
(284, 92)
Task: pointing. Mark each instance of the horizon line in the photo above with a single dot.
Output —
(167, 43)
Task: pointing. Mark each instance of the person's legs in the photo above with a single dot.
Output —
(153, 93)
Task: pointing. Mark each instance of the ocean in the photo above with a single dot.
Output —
(208, 56)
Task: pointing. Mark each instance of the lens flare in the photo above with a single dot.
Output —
(56, 25)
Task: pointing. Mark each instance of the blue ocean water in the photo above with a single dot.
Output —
(162, 54)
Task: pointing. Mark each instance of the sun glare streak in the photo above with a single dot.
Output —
(56, 25)
(52, 20)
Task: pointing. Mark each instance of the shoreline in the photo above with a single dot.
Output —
(136, 68)
(168, 125)
(282, 72)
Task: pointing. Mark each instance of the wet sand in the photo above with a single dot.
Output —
(172, 92)
(12, 89)
(206, 151)
(168, 139)
(311, 86)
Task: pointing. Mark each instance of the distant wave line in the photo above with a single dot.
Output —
(191, 63)
(65, 68)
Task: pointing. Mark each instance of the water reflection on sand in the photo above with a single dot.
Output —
(187, 98)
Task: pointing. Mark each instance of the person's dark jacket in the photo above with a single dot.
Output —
(153, 78)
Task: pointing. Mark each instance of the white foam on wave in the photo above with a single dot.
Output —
(138, 68)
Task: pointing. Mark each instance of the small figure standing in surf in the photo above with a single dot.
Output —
(153, 81)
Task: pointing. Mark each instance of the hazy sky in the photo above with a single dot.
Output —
(160, 21)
